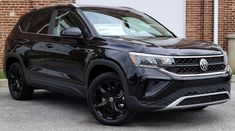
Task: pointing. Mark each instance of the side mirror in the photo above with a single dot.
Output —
(71, 32)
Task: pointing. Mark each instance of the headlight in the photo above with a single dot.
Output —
(225, 58)
(149, 60)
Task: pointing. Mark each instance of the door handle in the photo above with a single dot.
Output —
(78, 48)
(86, 50)
(24, 41)
(50, 45)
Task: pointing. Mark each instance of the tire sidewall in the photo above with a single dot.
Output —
(91, 89)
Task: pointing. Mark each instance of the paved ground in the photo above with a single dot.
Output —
(53, 112)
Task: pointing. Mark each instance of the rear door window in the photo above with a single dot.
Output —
(40, 22)
(25, 24)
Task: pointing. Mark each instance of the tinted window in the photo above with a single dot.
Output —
(25, 24)
(67, 19)
(39, 23)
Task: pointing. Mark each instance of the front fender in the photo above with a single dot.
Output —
(111, 64)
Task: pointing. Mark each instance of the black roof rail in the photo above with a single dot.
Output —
(54, 5)
(127, 7)
(73, 4)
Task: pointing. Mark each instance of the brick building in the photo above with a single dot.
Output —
(199, 18)
(11, 10)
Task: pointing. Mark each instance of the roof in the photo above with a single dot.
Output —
(58, 6)
(104, 7)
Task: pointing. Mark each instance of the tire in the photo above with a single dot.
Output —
(106, 100)
(197, 108)
(17, 84)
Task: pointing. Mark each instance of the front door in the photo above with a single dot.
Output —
(66, 57)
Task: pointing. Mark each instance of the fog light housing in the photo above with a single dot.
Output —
(153, 87)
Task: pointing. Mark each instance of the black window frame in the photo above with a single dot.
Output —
(86, 30)
(23, 21)
(28, 24)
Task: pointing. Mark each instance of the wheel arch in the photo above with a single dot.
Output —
(110, 66)
(10, 59)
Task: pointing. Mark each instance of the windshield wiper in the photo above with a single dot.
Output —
(115, 36)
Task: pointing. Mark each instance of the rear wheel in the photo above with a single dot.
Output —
(106, 100)
(17, 84)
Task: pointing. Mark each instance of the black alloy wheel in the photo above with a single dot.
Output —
(106, 99)
(17, 84)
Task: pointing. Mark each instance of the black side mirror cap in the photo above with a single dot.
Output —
(73, 32)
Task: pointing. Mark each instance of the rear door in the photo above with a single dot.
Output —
(35, 32)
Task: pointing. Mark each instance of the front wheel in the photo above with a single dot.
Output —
(106, 100)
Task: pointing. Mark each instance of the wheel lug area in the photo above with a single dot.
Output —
(111, 99)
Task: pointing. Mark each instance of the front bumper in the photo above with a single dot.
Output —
(179, 92)
(199, 100)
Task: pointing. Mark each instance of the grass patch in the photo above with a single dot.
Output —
(2, 76)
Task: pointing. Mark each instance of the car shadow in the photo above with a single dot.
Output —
(154, 119)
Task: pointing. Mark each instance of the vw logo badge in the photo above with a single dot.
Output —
(203, 64)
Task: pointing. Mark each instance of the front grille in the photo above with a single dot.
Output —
(192, 65)
(212, 60)
(196, 69)
(203, 99)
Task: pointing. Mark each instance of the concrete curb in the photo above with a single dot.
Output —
(4, 82)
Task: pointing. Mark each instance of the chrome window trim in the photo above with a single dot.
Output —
(174, 104)
(31, 33)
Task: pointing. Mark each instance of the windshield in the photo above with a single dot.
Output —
(124, 23)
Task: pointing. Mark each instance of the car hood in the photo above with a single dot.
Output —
(167, 46)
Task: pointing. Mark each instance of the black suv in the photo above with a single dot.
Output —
(120, 60)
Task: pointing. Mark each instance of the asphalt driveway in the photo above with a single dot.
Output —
(53, 112)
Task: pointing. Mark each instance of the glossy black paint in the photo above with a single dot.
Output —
(65, 64)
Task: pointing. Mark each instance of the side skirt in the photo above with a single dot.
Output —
(59, 86)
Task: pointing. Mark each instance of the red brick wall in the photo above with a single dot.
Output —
(11, 10)
(221, 23)
(194, 19)
(199, 20)
(227, 21)
(208, 20)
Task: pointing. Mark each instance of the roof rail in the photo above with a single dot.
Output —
(73, 4)
(49, 5)
(127, 7)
